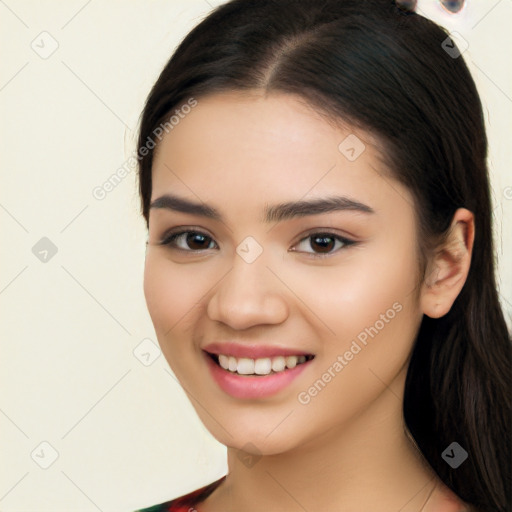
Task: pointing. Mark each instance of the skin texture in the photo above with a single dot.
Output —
(239, 153)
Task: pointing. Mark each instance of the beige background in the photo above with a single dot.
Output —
(74, 374)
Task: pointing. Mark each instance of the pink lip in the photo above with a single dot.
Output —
(248, 386)
(252, 351)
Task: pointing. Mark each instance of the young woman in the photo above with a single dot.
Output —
(319, 267)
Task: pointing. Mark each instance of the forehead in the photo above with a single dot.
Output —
(255, 148)
(251, 126)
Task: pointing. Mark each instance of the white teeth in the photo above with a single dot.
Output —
(232, 364)
(224, 361)
(291, 361)
(245, 366)
(262, 366)
(278, 364)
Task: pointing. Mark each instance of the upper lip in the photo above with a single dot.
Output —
(252, 351)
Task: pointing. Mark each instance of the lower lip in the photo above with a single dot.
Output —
(240, 386)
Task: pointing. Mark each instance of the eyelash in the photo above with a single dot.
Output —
(170, 238)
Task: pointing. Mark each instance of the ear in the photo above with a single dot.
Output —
(448, 270)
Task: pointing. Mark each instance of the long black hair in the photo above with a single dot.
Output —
(387, 70)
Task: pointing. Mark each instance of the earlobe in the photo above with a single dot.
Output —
(449, 268)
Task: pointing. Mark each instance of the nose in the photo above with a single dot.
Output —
(248, 295)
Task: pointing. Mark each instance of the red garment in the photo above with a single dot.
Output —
(187, 502)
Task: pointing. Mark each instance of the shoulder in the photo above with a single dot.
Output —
(186, 502)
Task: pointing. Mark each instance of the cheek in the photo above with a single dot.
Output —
(346, 298)
(171, 292)
(371, 306)
(171, 296)
(367, 314)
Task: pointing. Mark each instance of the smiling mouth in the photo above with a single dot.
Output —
(260, 367)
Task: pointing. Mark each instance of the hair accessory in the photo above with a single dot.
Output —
(406, 5)
(452, 6)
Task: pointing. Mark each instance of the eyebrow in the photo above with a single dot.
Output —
(274, 213)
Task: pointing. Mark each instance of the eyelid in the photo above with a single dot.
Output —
(181, 230)
(165, 240)
(326, 231)
(331, 232)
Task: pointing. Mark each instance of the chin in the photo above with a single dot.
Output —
(249, 436)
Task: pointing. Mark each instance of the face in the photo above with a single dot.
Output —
(316, 293)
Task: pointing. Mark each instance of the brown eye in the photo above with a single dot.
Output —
(188, 241)
(324, 243)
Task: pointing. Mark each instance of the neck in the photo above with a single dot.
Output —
(367, 464)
